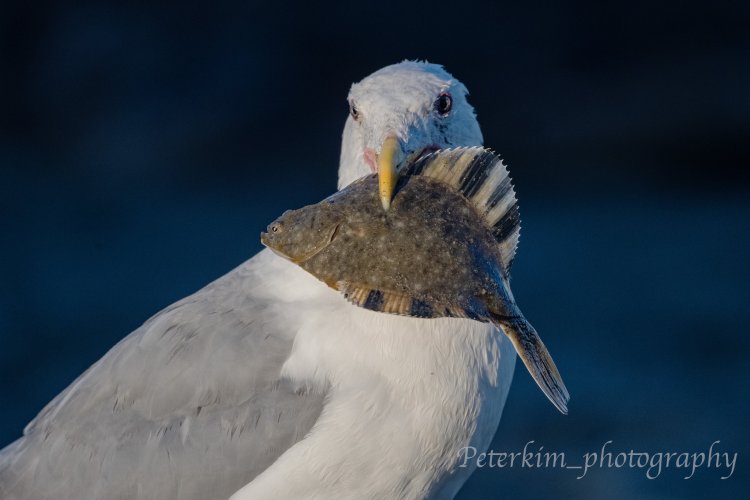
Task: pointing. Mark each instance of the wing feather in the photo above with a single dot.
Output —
(191, 405)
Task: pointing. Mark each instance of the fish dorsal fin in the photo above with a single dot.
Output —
(479, 174)
(393, 302)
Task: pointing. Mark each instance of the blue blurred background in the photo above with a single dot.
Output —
(144, 148)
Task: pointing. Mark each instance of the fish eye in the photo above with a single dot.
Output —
(443, 104)
(275, 228)
(354, 111)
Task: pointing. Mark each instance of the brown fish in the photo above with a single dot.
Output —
(443, 249)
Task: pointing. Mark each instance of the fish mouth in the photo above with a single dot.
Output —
(267, 243)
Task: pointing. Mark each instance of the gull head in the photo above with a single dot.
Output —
(399, 113)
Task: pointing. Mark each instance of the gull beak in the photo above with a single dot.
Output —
(387, 176)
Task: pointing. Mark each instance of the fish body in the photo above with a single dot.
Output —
(444, 248)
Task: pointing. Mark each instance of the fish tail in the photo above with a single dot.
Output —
(537, 359)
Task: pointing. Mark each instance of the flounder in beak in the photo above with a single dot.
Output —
(444, 248)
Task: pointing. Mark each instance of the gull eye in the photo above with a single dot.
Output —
(354, 111)
(443, 104)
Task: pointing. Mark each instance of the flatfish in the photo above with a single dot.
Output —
(444, 248)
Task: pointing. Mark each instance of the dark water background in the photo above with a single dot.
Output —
(143, 149)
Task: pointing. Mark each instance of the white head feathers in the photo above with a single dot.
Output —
(408, 100)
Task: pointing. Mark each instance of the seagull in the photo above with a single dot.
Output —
(268, 384)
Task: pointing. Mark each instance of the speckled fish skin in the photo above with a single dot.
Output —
(427, 246)
(443, 249)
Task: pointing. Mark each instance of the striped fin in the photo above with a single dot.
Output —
(479, 174)
(396, 303)
(537, 359)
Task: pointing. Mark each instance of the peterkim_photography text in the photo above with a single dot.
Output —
(651, 463)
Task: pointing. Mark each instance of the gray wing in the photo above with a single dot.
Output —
(189, 406)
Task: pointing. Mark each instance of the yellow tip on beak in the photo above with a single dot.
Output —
(387, 175)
